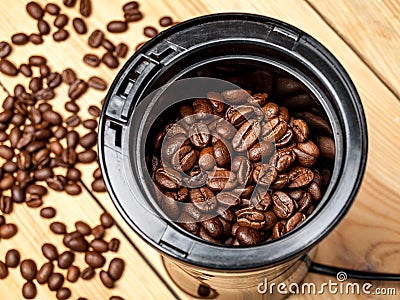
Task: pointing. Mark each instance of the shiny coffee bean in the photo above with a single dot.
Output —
(283, 206)
(247, 236)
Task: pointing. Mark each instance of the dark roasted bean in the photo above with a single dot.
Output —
(97, 83)
(60, 35)
(5, 49)
(29, 290)
(165, 21)
(85, 8)
(88, 273)
(91, 60)
(113, 245)
(121, 50)
(8, 68)
(94, 259)
(20, 39)
(106, 279)
(55, 281)
(65, 259)
(110, 60)
(117, 26)
(52, 8)
(28, 269)
(35, 39)
(77, 89)
(43, 27)
(73, 273)
(63, 293)
(12, 258)
(61, 21)
(7, 231)
(58, 228)
(44, 273)
(96, 38)
(150, 31)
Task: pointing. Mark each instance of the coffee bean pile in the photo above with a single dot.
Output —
(76, 242)
(248, 169)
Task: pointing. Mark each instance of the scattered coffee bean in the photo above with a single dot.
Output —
(106, 279)
(121, 50)
(48, 212)
(61, 21)
(58, 228)
(98, 185)
(110, 60)
(44, 272)
(106, 220)
(73, 273)
(98, 232)
(20, 39)
(7, 231)
(165, 21)
(113, 245)
(65, 259)
(35, 39)
(94, 259)
(79, 25)
(150, 31)
(3, 270)
(94, 111)
(91, 60)
(34, 10)
(116, 268)
(60, 35)
(76, 242)
(83, 228)
(88, 273)
(85, 8)
(12, 258)
(50, 251)
(5, 49)
(96, 38)
(55, 281)
(29, 290)
(52, 8)
(117, 26)
(132, 5)
(77, 89)
(69, 3)
(8, 68)
(63, 293)
(28, 269)
(97, 83)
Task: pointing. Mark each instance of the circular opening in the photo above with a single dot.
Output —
(287, 87)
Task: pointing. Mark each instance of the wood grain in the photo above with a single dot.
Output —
(372, 28)
(368, 237)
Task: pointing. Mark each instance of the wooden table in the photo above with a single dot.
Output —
(363, 35)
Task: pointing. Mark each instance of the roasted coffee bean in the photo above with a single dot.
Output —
(61, 20)
(35, 84)
(106, 220)
(36, 189)
(29, 290)
(69, 3)
(270, 220)
(63, 293)
(221, 154)
(169, 206)
(283, 206)
(6, 204)
(283, 159)
(108, 45)
(77, 89)
(76, 242)
(73, 121)
(2, 220)
(65, 259)
(52, 8)
(68, 76)
(94, 111)
(247, 236)
(264, 174)
(71, 106)
(110, 60)
(184, 159)
(300, 177)
(250, 218)
(206, 159)
(85, 8)
(45, 94)
(106, 279)
(227, 199)
(90, 124)
(6, 152)
(94, 259)
(54, 80)
(294, 221)
(79, 25)
(113, 245)
(116, 268)
(34, 10)
(73, 273)
(326, 146)
(58, 228)
(44, 72)
(7, 231)
(8, 68)
(221, 179)
(50, 251)
(20, 39)
(89, 140)
(5, 49)
(44, 273)
(121, 50)
(246, 136)
(168, 179)
(96, 38)
(83, 228)
(117, 26)
(3, 270)
(165, 21)
(52, 117)
(87, 156)
(202, 108)
(235, 96)
(88, 273)
(97, 83)
(28, 269)
(10, 167)
(150, 31)
(132, 5)
(35, 39)
(199, 135)
(98, 185)
(26, 70)
(48, 212)
(43, 27)
(278, 230)
(60, 35)
(261, 150)
(12, 258)
(212, 226)
(203, 199)
(55, 281)
(99, 245)
(307, 153)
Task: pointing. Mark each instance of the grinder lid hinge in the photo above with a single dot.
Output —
(283, 37)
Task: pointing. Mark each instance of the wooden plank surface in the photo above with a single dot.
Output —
(366, 239)
(372, 28)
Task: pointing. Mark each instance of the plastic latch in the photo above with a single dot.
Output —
(170, 242)
(283, 37)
